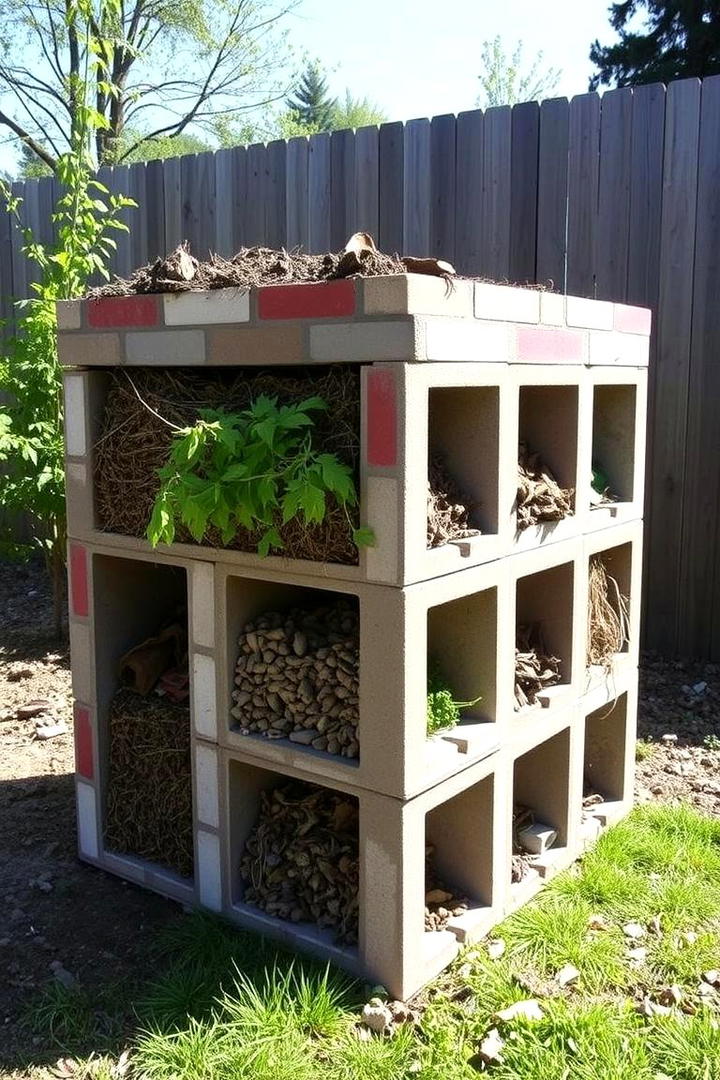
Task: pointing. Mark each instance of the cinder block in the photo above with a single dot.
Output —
(204, 707)
(79, 498)
(89, 350)
(506, 304)
(84, 742)
(69, 314)
(209, 870)
(452, 340)
(590, 314)
(87, 820)
(633, 320)
(552, 309)
(610, 348)
(417, 294)
(207, 797)
(81, 656)
(202, 604)
(549, 345)
(252, 346)
(312, 301)
(165, 348)
(620, 548)
(116, 312)
(332, 343)
(619, 427)
(78, 570)
(205, 308)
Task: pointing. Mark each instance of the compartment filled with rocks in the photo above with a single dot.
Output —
(296, 675)
(541, 790)
(300, 858)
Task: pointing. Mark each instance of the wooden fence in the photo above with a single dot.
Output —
(615, 197)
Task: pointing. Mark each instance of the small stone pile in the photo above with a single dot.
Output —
(441, 902)
(539, 496)
(535, 668)
(301, 860)
(297, 677)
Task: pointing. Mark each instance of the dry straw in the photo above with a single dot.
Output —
(608, 615)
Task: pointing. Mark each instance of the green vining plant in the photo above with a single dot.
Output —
(84, 217)
(443, 711)
(255, 469)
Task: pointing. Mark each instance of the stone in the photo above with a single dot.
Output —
(567, 974)
(536, 838)
(33, 708)
(634, 931)
(377, 1016)
(525, 1010)
(51, 731)
(305, 736)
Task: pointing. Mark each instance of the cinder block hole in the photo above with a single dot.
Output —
(140, 611)
(464, 438)
(610, 584)
(544, 621)
(613, 439)
(540, 800)
(548, 425)
(293, 665)
(605, 752)
(294, 853)
(459, 855)
(462, 652)
(131, 443)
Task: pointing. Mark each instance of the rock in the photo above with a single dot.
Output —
(491, 1048)
(437, 896)
(651, 1008)
(634, 931)
(712, 977)
(305, 736)
(536, 838)
(51, 731)
(699, 688)
(525, 1010)
(637, 955)
(62, 975)
(566, 975)
(495, 948)
(597, 922)
(377, 1016)
(670, 995)
(299, 644)
(33, 708)
(670, 738)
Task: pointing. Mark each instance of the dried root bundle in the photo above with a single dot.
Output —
(448, 509)
(608, 615)
(301, 859)
(539, 496)
(297, 677)
(535, 668)
(149, 791)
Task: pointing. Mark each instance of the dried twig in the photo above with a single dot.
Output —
(539, 496)
(535, 668)
(608, 615)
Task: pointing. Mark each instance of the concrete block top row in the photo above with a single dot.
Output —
(403, 317)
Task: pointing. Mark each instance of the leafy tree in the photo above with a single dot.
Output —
(503, 81)
(159, 147)
(173, 66)
(356, 112)
(678, 39)
(312, 106)
(85, 216)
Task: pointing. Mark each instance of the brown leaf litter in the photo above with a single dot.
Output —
(539, 496)
(535, 668)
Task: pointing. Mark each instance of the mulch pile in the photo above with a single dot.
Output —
(608, 615)
(539, 496)
(180, 271)
(135, 443)
(448, 509)
(535, 668)
(301, 860)
(149, 790)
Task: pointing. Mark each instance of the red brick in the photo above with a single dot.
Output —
(632, 320)
(548, 346)
(83, 743)
(111, 311)
(332, 298)
(78, 580)
(381, 419)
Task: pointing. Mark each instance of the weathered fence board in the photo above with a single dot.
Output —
(612, 196)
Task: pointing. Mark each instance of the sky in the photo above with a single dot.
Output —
(414, 61)
(421, 57)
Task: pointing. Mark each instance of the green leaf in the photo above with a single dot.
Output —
(363, 537)
(269, 539)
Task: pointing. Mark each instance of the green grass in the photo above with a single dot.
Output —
(644, 748)
(226, 1005)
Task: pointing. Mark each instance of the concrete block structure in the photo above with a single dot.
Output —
(463, 369)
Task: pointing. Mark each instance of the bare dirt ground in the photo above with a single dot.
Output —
(61, 917)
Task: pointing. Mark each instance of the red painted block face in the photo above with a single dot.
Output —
(537, 346)
(381, 419)
(331, 298)
(78, 580)
(632, 320)
(83, 743)
(114, 311)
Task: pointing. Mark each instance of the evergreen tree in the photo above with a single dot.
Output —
(312, 106)
(679, 38)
